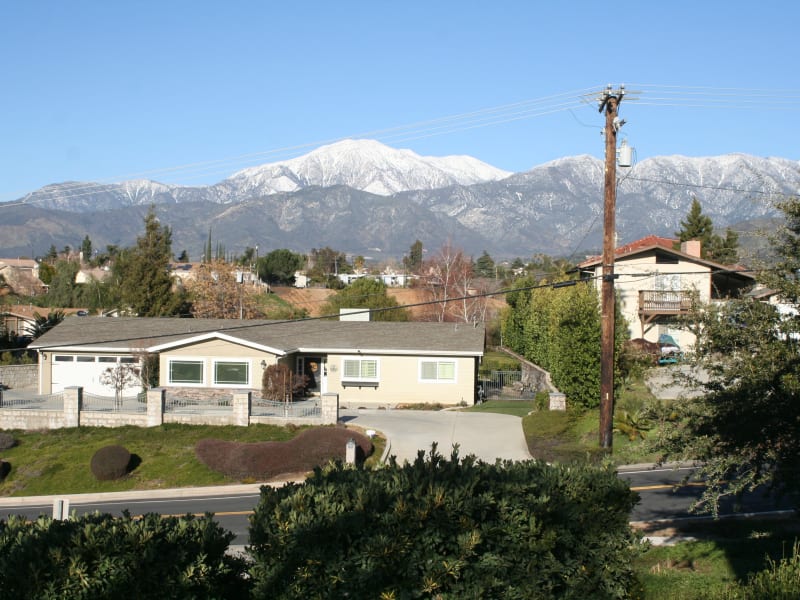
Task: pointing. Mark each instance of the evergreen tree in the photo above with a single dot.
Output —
(485, 266)
(279, 266)
(142, 272)
(367, 293)
(697, 226)
(743, 427)
(413, 261)
(62, 288)
(86, 249)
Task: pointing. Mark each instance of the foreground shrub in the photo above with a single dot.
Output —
(110, 462)
(779, 581)
(265, 460)
(100, 556)
(7, 440)
(440, 528)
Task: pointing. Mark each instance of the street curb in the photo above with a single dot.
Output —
(189, 492)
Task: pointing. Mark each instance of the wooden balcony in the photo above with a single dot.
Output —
(656, 303)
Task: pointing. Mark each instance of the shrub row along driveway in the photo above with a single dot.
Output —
(488, 436)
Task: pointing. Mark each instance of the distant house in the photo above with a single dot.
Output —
(86, 275)
(21, 318)
(656, 284)
(22, 275)
(365, 363)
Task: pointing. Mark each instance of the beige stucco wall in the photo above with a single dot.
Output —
(639, 273)
(211, 350)
(399, 382)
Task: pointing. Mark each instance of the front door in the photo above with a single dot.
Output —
(313, 368)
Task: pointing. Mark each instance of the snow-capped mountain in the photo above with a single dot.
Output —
(360, 195)
(364, 165)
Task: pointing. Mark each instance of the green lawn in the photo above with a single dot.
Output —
(58, 461)
(726, 552)
(574, 435)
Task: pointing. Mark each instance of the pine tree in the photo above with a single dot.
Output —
(413, 261)
(142, 273)
(697, 226)
(485, 266)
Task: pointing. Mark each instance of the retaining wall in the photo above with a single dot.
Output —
(20, 377)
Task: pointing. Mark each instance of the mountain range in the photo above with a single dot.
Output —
(362, 197)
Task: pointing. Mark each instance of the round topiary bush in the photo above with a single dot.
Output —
(110, 462)
(7, 440)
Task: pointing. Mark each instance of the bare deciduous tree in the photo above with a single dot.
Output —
(120, 377)
(450, 283)
(216, 293)
(279, 383)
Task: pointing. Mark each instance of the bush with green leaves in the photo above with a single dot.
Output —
(110, 462)
(99, 556)
(446, 528)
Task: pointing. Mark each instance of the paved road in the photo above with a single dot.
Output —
(486, 435)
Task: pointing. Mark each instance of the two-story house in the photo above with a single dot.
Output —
(657, 283)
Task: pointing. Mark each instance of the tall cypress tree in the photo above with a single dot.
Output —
(145, 284)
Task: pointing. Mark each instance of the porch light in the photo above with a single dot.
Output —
(263, 364)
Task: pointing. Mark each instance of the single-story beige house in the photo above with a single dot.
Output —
(367, 363)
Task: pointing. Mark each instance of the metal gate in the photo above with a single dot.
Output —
(504, 385)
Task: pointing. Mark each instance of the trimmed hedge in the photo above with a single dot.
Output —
(439, 528)
(99, 556)
(265, 460)
(7, 441)
(110, 462)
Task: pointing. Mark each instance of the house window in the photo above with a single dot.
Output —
(360, 369)
(231, 373)
(437, 371)
(186, 371)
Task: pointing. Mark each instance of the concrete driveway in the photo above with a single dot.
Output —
(487, 436)
(673, 381)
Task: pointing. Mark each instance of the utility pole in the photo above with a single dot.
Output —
(608, 101)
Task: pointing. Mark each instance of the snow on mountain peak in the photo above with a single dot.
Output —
(366, 165)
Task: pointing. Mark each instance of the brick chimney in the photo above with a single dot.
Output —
(691, 247)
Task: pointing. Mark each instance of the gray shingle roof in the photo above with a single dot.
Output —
(134, 333)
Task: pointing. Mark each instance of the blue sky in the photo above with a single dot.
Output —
(190, 92)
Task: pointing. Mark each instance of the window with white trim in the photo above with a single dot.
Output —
(186, 371)
(231, 372)
(437, 371)
(360, 369)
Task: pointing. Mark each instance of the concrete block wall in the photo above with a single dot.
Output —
(20, 377)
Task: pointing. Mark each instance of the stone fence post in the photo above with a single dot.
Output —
(330, 409)
(73, 402)
(242, 402)
(155, 406)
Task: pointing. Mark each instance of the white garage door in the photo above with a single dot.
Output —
(85, 371)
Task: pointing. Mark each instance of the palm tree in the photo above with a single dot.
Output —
(42, 324)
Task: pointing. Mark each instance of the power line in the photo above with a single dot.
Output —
(486, 117)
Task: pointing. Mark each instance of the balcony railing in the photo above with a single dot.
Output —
(664, 302)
